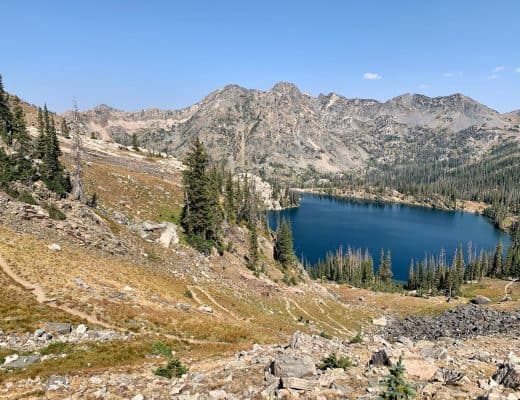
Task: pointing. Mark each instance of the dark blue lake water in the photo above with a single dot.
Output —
(322, 224)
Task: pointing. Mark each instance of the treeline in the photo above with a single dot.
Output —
(433, 275)
(356, 267)
(26, 160)
(495, 179)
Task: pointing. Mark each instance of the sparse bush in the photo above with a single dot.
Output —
(396, 386)
(332, 361)
(55, 348)
(54, 211)
(26, 197)
(357, 339)
(174, 368)
(160, 349)
(325, 335)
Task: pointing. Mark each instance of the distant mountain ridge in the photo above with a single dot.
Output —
(283, 130)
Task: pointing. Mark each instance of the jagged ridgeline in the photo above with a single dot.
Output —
(24, 160)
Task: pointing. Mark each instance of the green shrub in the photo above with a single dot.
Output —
(160, 349)
(54, 211)
(396, 386)
(173, 368)
(325, 335)
(357, 339)
(26, 197)
(55, 348)
(332, 361)
(188, 294)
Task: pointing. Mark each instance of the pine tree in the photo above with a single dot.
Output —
(283, 247)
(135, 143)
(65, 131)
(252, 263)
(20, 135)
(201, 216)
(513, 254)
(385, 267)
(41, 141)
(396, 387)
(5, 116)
(497, 261)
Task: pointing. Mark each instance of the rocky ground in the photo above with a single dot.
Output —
(444, 369)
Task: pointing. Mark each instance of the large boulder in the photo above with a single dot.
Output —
(479, 299)
(169, 235)
(22, 362)
(293, 366)
(58, 328)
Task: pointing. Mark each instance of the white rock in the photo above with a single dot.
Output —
(169, 235)
(54, 247)
(379, 321)
(206, 309)
(217, 394)
(81, 329)
(138, 397)
(11, 358)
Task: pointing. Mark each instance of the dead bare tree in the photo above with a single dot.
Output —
(78, 192)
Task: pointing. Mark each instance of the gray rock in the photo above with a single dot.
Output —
(292, 366)
(169, 235)
(380, 359)
(380, 321)
(22, 362)
(58, 328)
(479, 299)
(435, 353)
(39, 332)
(508, 375)
(447, 376)
(297, 383)
(56, 382)
(81, 329)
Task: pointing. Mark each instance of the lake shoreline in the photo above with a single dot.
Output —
(399, 198)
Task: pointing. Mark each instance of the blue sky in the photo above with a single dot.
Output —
(169, 54)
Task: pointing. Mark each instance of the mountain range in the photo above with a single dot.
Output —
(283, 131)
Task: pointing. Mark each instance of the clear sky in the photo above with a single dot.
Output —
(170, 54)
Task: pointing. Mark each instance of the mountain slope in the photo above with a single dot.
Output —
(329, 133)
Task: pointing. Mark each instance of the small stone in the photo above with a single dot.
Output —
(218, 394)
(206, 309)
(54, 247)
(380, 321)
(58, 328)
(11, 358)
(39, 332)
(138, 397)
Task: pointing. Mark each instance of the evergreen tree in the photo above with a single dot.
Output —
(513, 254)
(283, 247)
(5, 116)
(396, 388)
(385, 267)
(497, 261)
(201, 216)
(41, 141)
(65, 130)
(252, 263)
(135, 143)
(20, 135)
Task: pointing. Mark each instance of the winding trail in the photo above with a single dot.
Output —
(41, 298)
(288, 308)
(341, 330)
(506, 287)
(211, 299)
